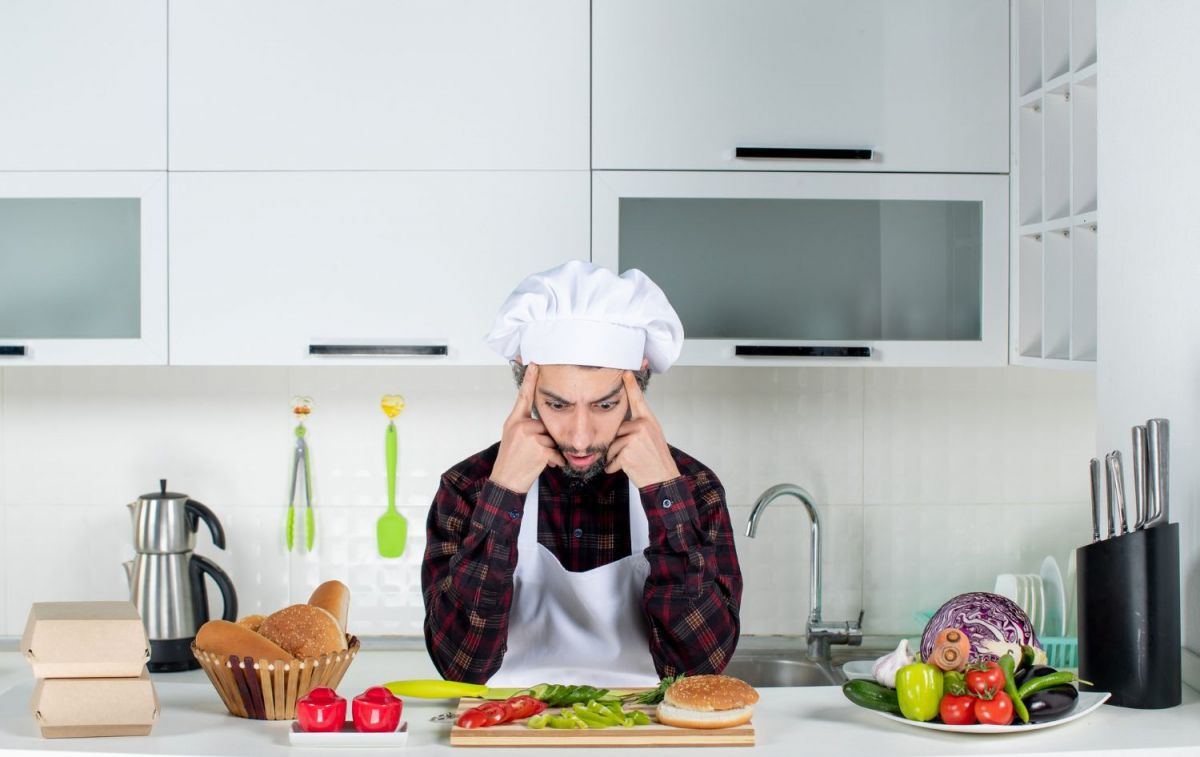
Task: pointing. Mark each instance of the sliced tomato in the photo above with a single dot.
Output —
(472, 718)
(524, 706)
(495, 712)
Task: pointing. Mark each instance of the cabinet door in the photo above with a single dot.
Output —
(817, 268)
(379, 84)
(83, 268)
(679, 84)
(83, 85)
(267, 266)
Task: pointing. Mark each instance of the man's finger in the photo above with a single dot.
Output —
(524, 406)
(614, 464)
(637, 401)
(616, 447)
(557, 459)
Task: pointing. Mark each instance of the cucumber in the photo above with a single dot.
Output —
(872, 696)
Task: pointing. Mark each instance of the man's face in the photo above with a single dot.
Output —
(582, 408)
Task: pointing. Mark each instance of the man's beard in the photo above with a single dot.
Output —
(590, 472)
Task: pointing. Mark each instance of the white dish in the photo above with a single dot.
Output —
(348, 737)
(1055, 623)
(860, 669)
(1088, 701)
(1072, 605)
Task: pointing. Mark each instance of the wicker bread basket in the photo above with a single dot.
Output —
(268, 689)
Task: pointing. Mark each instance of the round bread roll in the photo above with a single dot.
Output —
(304, 630)
(334, 597)
(251, 621)
(224, 638)
(707, 701)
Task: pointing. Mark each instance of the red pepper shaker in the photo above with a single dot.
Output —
(377, 710)
(321, 710)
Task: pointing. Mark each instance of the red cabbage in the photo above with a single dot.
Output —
(982, 616)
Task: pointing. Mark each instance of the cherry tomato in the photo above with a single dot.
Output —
(376, 710)
(985, 682)
(995, 711)
(958, 710)
(321, 710)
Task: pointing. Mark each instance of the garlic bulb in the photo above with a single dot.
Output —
(885, 667)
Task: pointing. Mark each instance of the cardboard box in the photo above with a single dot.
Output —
(85, 640)
(75, 707)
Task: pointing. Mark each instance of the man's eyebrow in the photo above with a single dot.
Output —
(616, 390)
(551, 395)
(554, 396)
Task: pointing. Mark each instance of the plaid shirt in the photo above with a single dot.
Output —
(692, 593)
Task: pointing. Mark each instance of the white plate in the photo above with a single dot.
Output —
(348, 737)
(1055, 623)
(1072, 604)
(860, 669)
(1088, 701)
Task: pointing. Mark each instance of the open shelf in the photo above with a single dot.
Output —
(1029, 65)
(1030, 156)
(1056, 294)
(1083, 146)
(1029, 272)
(1083, 292)
(1056, 110)
(1083, 34)
(1056, 38)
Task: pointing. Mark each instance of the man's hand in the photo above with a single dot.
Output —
(525, 446)
(640, 448)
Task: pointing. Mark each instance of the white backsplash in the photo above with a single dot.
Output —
(928, 481)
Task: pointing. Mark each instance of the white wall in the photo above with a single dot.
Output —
(1149, 256)
(929, 482)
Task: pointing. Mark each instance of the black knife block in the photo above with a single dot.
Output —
(1129, 636)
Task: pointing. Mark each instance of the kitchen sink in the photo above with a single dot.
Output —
(782, 671)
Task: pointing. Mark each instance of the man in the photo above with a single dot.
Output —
(581, 548)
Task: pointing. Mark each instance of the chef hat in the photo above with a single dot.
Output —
(584, 314)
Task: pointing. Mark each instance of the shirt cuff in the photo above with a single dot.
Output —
(499, 510)
(671, 512)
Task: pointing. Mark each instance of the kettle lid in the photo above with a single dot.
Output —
(162, 493)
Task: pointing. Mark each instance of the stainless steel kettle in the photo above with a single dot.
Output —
(166, 580)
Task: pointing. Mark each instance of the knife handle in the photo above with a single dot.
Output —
(435, 689)
(1157, 463)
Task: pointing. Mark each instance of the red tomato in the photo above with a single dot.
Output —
(958, 710)
(495, 712)
(376, 710)
(472, 718)
(995, 711)
(986, 682)
(321, 710)
(524, 706)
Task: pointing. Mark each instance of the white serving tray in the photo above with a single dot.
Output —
(348, 737)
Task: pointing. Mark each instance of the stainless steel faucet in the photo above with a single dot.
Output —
(820, 634)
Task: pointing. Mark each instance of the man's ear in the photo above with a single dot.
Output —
(645, 364)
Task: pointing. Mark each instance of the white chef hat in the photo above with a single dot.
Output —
(580, 313)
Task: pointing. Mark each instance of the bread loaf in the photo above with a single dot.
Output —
(304, 631)
(333, 597)
(251, 621)
(224, 638)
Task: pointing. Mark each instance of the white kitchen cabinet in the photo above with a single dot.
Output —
(267, 268)
(679, 84)
(83, 85)
(83, 268)
(378, 84)
(814, 268)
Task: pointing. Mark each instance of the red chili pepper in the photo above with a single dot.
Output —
(377, 710)
(321, 710)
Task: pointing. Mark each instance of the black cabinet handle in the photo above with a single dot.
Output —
(759, 350)
(379, 350)
(804, 153)
(12, 350)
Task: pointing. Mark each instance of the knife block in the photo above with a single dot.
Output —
(1129, 635)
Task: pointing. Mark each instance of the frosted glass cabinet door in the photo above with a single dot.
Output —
(83, 264)
(911, 267)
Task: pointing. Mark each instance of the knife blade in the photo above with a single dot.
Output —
(1112, 497)
(1094, 469)
(1157, 466)
(1139, 477)
(1116, 494)
(1119, 486)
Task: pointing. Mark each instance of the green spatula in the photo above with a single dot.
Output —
(392, 529)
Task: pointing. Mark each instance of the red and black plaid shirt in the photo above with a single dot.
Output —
(692, 593)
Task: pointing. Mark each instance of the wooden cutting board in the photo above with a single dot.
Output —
(655, 734)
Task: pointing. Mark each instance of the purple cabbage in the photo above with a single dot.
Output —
(982, 616)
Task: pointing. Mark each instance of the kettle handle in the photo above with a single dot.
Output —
(198, 567)
(198, 511)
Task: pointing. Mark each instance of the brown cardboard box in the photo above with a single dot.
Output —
(73, 707)
(85, 640)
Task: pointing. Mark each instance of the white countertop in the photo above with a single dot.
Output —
(811, 721)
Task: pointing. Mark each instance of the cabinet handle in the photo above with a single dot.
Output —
(11, 350)
(379, 350)
(805, 153)
(757, 350)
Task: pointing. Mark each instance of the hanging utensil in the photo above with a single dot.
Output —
(391, 530)
(301, 408)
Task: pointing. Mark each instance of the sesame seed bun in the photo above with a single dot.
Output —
(304, 630)
(707, 701)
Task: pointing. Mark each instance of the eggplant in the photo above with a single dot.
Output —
(1035, 672)
(1049, 704)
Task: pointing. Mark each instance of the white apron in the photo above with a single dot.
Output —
(578, 628)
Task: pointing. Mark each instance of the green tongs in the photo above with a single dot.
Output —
(301, 407)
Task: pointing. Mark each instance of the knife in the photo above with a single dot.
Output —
(1116, 494)
(1139, 477)
(1094, 468)
(1157, 464)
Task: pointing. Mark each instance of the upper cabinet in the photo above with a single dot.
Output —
(306, 268)
(378, 85)
(83, 85)
(922, 85)
(83, 268)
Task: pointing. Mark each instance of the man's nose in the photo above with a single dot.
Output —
(581, 431)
